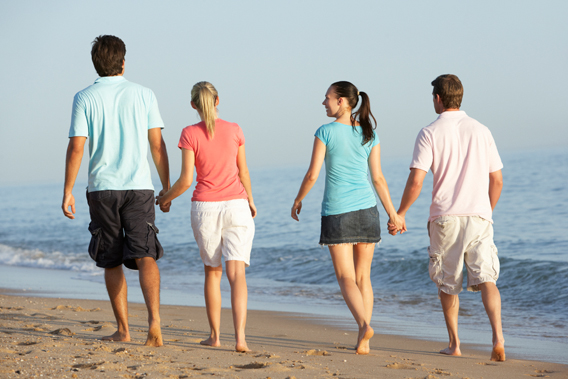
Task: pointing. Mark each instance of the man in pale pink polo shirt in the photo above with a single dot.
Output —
(466, 166)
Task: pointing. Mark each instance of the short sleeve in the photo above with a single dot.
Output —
(375, 140)
(322, 134)
(185, 141)
(423, 156)
(240, 136)
(495, 163)
(79, 126)
(154, 117)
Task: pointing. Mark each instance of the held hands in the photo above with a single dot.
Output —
(296, 209)
(164, 207)
(396, 224)
(68, 201)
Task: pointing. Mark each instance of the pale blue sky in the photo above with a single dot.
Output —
(272, 63)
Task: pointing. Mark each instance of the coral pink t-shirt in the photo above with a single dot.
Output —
(461, 153)
(215, 160)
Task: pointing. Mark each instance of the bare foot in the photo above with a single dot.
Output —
(498, 352)
(117, 336)
(154, 336)
(452, 350)
(241, 347)
(365, 334)
(211, 342)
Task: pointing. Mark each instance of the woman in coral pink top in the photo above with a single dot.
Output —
(222, 208)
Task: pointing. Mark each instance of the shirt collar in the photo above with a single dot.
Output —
(110, 79)
(452, 114)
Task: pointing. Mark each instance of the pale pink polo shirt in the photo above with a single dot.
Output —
(215, 160)
(461, 153)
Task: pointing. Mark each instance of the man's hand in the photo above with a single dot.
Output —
(397, 224)
(68, 201)
(163, 207)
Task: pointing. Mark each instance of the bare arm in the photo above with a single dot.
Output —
(411, 193)
(318, 155)
(380, 184)
(495, 187)
(72, 164)
(244, 176)
(182, 184)
(412, 190)
(160, 158)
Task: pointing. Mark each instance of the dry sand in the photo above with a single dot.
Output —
(44, 337)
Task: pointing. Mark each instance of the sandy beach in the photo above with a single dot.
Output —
(41, 337)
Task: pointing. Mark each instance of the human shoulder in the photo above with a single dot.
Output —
(227, 124)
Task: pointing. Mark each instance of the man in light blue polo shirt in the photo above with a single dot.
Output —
(119, 118)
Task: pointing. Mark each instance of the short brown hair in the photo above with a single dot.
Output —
(108, 55)
(450, 89)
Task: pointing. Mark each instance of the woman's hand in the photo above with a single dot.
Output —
(396, 224)
(296, 209)
(164, 207)
(252, 209)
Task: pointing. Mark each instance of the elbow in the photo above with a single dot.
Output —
(311, 176)
(415, 186)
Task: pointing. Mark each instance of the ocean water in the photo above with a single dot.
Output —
(290, 271)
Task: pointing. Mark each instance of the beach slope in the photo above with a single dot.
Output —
(61, 338)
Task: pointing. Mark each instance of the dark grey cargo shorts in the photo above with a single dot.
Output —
(122, 227)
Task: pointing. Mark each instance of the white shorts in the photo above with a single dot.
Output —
(222, 228)
(455, 240)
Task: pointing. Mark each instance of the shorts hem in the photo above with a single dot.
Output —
(475, 287)
(448, 291)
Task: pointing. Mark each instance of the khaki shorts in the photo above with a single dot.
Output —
(222, 229)
(455, 240)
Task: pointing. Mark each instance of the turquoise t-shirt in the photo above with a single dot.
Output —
(347, 187)
(115, 115)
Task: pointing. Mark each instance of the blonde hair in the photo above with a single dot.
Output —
(204, 95)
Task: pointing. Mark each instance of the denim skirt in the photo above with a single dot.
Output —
(360, 226)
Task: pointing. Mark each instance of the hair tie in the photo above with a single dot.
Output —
(358, 93)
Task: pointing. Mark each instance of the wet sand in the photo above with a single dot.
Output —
(60, 338)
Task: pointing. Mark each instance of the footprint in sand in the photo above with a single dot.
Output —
(75, 309)
(439, 371)
(400, 366)
(317, 352)
(541, 374)
(342, 347)
(253, 365)
(28, 343)
(266, 356)
(62, 332)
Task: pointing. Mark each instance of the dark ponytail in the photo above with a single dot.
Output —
(348, 91)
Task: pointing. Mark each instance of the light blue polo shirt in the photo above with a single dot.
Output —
(115, 115)
(347, 187)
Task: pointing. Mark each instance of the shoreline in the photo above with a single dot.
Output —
(68, 284)
(61, 337)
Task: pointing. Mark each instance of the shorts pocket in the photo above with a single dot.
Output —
(495, 260)
(95, 244)
(153, 240)
(435, 266)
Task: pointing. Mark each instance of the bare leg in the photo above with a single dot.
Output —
(212, 292)
(363, 258)
(117, 292)
(492, 303)
(343, 263)
(239, 298)
(451, 306)
(150, 283)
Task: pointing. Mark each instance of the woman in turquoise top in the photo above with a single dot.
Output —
(350, 219)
